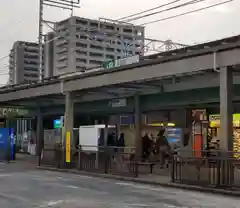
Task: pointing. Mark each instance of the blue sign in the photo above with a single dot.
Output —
(4, 138)
(4, 144)
(11, 136)
(57, 123)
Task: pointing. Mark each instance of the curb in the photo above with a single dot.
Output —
(146, 182)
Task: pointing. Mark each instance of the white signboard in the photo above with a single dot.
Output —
(127, 61)
(116, 103)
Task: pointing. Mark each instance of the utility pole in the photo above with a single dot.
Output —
(61, 4)
(40, 40)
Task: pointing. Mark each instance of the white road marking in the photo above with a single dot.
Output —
(5, 175)
(73, 187)
(51, 204)
(146, 187)
(137, 205)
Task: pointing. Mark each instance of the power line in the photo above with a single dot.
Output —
(148, 10)
(165, 10)
(4, 57)
(185, 13)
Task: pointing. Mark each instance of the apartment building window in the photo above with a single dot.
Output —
(83, 37)
(62, 58)
(127, 30)
(31, 44)
(96, 62)
(81, 60)
(62, 44)
(110, 56)
(119, 50)
(31, 56)
(81, 68)
(30, 75)
(126, 38)
(31, 50)
(81, 22)
(99, 39)
(31, 69)
(82, 45)
(96, 47)
(109, 27)
(95, 54)
(81, 52)
(111, 42)
(94, 24)
(110, 49)
(62, 67)
(61, 50)
(30, 62)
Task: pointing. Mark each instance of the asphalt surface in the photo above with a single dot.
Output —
(25, 187)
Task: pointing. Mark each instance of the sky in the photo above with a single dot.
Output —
(19, 21)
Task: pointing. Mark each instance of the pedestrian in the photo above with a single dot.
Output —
(146, 145)
(163, 147)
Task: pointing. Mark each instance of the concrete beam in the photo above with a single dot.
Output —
(32, 92)
(158, 71)
(140, 74)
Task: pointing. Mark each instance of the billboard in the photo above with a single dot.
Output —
(4, 144)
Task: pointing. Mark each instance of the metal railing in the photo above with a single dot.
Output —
(208, 170)
(114, 160)
(52, 157)
(213, 169)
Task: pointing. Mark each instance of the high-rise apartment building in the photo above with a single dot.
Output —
(23, 63)
(80, 44)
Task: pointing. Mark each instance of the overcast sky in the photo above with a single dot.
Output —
(19, 21)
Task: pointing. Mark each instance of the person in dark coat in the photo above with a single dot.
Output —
(120, 143)
(146, 145)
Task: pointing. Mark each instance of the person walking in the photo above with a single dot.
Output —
(162, 147)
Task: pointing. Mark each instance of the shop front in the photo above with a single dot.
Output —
(214, 133)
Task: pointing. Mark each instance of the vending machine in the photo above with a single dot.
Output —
(174, 136)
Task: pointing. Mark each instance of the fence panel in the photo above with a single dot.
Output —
(218, 170)
(92, 159)
(51, 157)
(121, 161)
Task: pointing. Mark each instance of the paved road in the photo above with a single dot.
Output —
(29, 188)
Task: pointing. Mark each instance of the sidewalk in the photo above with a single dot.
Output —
(150, 180)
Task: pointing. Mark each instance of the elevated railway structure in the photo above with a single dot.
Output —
(202, 66)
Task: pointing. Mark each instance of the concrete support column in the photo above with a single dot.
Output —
(105, 132)
(226, 109)
(69, 116)
(226, 124)
(138, 127)
(40, 136)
